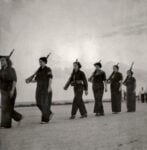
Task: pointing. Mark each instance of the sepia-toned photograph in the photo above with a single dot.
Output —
(73, 74)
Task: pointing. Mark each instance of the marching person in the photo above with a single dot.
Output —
(43, 77)
(130, 83)
(79, 82)
(8, 81)
(99, 83)
(115, 81)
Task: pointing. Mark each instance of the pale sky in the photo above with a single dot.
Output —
(111, 30)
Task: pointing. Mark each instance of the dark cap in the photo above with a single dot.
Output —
(1, 56)
(4, 57)
(44, 59)
(116, 66)
(78, 63)
(98, 64)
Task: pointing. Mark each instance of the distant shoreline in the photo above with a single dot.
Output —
(33, 104)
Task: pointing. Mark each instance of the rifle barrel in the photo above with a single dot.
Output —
(11, 53)
(132, 66)
(48, 55)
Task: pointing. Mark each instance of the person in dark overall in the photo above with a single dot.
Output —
(98, 80)
(115, 81)
(79, 82)
(130, 83)
(43, 77)
(145, 95)
(8, 91)
(142, 95)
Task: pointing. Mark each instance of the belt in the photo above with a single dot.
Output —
(77, 82)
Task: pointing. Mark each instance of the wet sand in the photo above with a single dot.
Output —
(124, 131)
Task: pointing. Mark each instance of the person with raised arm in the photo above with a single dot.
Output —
(130, 83)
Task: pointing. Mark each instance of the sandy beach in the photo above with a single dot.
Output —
(125, 131)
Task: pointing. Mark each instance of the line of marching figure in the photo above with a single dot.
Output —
(43, 77)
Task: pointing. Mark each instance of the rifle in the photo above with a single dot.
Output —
(90, 79)
(111, 76)
(30, 78)
(67, 84)
(131, 68)
(69, 80)
(48, 55)
(72, 83)
(11, 53)
(8, 55)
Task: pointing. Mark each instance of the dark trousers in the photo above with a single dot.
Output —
(116, 100)
(7, 111)
(145, 98)
(98, 95)
(142, 98)
(78, 101)
(44, 101)
(131, 101)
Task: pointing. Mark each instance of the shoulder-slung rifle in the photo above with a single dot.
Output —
(29, 79)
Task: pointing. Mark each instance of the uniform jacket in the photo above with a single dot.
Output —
(77, 78)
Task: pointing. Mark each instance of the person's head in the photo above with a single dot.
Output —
(115, 68)
(76, 65)
(5, 62)
(98, 66)
(129, 73)
(43, 61)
